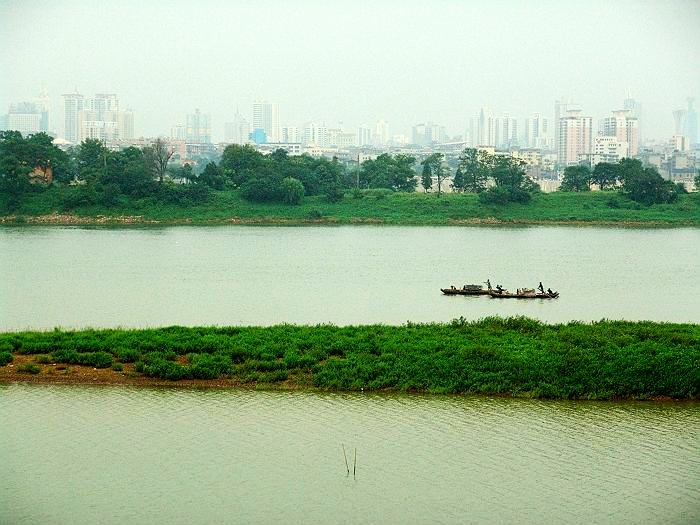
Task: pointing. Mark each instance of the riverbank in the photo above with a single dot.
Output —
(228, 207)
(514, 357)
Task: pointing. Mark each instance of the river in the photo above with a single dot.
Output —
(107, 455)
(97, 277)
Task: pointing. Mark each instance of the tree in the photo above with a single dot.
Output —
(644, 184)
(605, 175)
(475, 167)
(292, 191)
(458, 181)
(239, 163)
(211, 176)
(576, 178)
(92, 160)
(511, 183)
(426, 177)
(157, 156)
(385, 171)
(436, 169)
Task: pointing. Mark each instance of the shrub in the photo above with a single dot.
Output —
(117, 367)
(5, 358)
(128, 355)
(292, 190)
(28, 369)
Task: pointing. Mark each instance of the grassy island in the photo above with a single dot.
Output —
(368, 207)
(512, 356)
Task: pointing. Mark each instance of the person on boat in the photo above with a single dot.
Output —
(549, 291)
(540, 287)
(499, 288)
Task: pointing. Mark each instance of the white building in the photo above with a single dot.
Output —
(198, 128)
(575, 138)
(381, 133)
(537, 132)
(364, 136)
(266, 116)
(315, 134)
(608, 148)
(623, 126)
(72, 106)
(238, 130)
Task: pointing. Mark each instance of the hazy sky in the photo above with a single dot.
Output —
(354, 62)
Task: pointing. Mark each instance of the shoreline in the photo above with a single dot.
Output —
(63, 219)
(78, 375)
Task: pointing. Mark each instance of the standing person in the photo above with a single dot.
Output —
(540, 287)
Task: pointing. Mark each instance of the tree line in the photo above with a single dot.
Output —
(99, 176)
(635, 181)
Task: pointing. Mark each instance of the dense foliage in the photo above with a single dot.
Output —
(518, 356)
(639, 183)
(90, 180)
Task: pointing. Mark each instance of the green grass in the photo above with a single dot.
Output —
(515, 356)
(398, 208)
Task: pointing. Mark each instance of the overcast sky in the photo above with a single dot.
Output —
(354, 62)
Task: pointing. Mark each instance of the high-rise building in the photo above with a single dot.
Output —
(198, 128)
(623, 126)
(364, 135)
(238, 130)
(486, 131)
(561, 106)
(290, 135)
(635, 109)
(24, 117)
(72, 106)
(506, 132)
(428, 133)
(315, 134)
(690, 129)
(43, 104)
(266, 117)
(381, 133)
(537, 132)
(101, 119)
(575, 138)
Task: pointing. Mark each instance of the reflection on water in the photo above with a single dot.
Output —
(116, 455)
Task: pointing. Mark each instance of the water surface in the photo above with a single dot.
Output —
(112, 455)
(77, 277)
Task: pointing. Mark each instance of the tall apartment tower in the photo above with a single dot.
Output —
(486, 131)
(266, 117)
(72, 105)
(690, 129)
(624, 127)
(575, 138)
(536, 132)
(198, 129)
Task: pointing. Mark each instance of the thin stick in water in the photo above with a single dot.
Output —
(346, 459)
(354, 465)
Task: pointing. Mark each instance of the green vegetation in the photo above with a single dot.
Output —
(638, 183)
(5, 357)
(94, 184)
(517, 356)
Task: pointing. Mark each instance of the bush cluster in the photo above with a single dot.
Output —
(518, 355)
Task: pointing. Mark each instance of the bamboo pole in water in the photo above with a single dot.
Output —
(346, 459)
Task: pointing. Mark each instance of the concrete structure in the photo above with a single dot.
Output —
(608, 149)
(72, 106)
(237, 131)
(266, 117)
(623, 126)
(198, 128)
(537, 132)
(381, 133)
(364, 136)
(24, 117)
(575, 138)
(315, 134)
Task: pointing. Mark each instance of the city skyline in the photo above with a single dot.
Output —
(404, 63)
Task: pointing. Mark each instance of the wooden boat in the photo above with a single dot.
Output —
(467, 289)
(524, 293)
